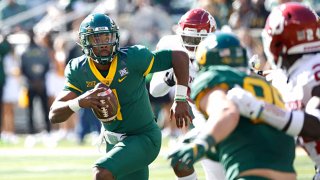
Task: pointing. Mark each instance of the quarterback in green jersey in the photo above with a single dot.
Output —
(133, 137)
(247, 148)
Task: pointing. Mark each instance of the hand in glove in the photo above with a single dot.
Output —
(190, 153)
(169, 79)
(249, 106)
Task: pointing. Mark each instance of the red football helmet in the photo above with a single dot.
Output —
(291, 28)
(194, 26)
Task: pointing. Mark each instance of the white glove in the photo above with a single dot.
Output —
(249, 106)
(191, 135)
(255, 62)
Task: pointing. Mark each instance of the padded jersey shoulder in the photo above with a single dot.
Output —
(214, 76)
(137, 57)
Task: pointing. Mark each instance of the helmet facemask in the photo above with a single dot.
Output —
(190, 40)
(100, 46)
(274, 60)
(99, 38)
(194, 26)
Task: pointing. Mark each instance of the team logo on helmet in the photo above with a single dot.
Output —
(276, 22)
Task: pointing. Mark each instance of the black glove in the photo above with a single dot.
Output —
(317, 175)
(169, 79)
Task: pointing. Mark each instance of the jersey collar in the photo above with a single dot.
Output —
(112, 71)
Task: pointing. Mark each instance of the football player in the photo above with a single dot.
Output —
(291, 40)
(193, 27)
(133, 137)
(247, 148)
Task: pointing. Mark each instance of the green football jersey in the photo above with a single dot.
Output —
(252, 144)
(126, 78)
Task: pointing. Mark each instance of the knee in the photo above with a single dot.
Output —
(102, 174)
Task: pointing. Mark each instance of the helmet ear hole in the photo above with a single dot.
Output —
(289, 16)
(278, 44)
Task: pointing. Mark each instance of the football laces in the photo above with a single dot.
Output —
(104, 111)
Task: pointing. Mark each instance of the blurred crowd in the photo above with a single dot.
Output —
(39, 37)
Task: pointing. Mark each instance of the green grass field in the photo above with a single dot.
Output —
(72, 162)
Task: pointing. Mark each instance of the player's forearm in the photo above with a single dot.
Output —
(222, 123)
(290, 122)
(294, 123)
(180, 63)
(311, 127)
(60, 112)
(223, 114)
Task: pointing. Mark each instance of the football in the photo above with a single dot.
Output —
(110, 108)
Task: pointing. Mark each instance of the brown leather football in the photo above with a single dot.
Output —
(110, 108)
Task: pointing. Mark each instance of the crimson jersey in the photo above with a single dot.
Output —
(297, 88)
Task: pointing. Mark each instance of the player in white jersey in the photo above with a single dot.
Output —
(193, 27)
(291, 40)
(301, 91)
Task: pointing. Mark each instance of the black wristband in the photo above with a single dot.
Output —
(286, 127)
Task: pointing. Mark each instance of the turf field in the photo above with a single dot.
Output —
(69, 161)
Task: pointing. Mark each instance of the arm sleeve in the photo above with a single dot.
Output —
(145, 61)
(158, 87)
(162, 60)
(71, 83)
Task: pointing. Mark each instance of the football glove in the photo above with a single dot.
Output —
(317, 175)
(191, 135)
(169, 79)
(248, 105)
(188, 154)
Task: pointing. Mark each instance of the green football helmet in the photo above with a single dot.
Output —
(221, 48)
(98, 31)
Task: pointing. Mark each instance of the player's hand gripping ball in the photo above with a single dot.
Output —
(109, 110)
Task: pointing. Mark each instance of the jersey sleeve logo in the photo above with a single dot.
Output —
(123, 72)
(121, 79)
